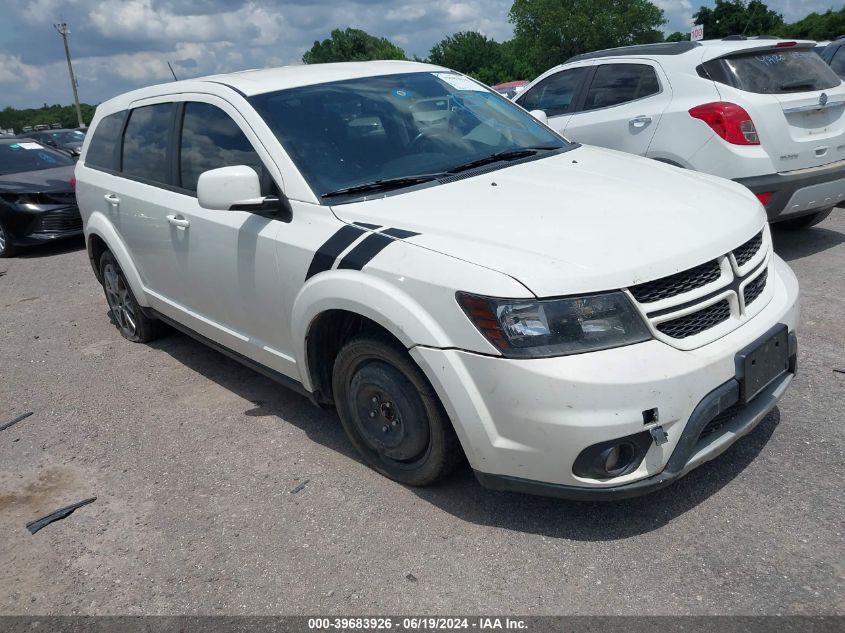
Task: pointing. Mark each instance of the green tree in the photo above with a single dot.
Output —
(548, 32)
(352, 45)
(737, 17)
(47, 115)
(677, 36)
(817, 26)
(473, 54)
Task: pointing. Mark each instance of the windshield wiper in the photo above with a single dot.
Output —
(798, 83)
(384, 184)
(504, 155)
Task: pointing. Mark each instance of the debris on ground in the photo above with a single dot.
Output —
(61, 513)
(839, 371)
(411, 577)
(8, 425)
(299, 487)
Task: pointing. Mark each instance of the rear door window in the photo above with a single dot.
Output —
(774, 71)
(145, 143)
(211, 139)
(614, 84)
(104, 150)
(556, 94)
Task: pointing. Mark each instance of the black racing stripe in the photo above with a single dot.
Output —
(334, 246)
(361, 255)
(399, 233)
(368, 226)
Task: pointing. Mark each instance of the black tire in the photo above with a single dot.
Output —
(391, 414)
(7, 249)
(804, 221)
(124, 310)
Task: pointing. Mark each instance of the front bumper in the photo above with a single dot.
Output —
(800, 192)
(31, 227)
(523, 423)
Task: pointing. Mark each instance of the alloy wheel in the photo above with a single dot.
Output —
(120, 300)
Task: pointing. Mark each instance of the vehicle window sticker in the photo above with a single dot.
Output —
(459, 82)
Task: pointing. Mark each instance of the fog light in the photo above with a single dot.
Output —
(613, 458)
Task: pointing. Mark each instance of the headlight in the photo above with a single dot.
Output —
(555, 327)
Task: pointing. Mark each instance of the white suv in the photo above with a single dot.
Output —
(398, 241)
(769, 114)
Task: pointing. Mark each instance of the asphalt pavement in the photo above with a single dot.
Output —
(219, 492)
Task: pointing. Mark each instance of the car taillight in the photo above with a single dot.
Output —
(72, 182)
(785, 44)
(764, 197)
(730, 121)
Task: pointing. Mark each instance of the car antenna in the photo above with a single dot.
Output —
(171, 71)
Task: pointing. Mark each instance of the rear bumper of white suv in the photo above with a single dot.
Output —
(524, 423)
(800, 192)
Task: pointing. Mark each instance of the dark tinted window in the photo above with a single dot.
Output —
(554, 95)
(145, 142)
(837, 63)
(619, 83)
(27, 155)
(776, 71)
(211, 139)
(103, 150)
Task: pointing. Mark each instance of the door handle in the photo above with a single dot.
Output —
(640, 121)
(112, 199)
(178, 222)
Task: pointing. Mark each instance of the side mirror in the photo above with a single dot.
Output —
(227, 187)
(540, 116)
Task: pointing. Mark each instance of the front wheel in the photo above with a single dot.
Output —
(6, 247)
(391, 414)
(804, 221)
(124, 310)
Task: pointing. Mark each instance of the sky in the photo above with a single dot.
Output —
(119, 45)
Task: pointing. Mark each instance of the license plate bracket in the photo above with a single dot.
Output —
(762, 362)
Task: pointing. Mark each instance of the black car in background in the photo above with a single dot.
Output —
(834, 55)
(37, 198)
(64, 139)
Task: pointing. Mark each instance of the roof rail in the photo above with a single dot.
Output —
(665, 48)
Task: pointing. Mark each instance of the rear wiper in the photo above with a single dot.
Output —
(384, 184)
(798, 83)
(508, 154)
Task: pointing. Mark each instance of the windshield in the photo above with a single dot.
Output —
(349, 133)
(775, 71)
(29, 156)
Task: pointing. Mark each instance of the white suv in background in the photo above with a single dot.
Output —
(769, 114)
(399, 242)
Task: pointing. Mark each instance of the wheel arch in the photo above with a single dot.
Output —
(331, 306)
(100, 236)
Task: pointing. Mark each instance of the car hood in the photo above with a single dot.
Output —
(38, 181)
(586, 220)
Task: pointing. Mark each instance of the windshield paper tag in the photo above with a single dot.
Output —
(459, 82)
(29, 145)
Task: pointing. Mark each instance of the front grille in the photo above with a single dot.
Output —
(755, 288)
(697, 322)
(744, 253)
(63, 220)
(678, 283)
(60, 197)
(721, 420)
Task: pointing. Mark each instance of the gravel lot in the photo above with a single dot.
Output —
(193, 459)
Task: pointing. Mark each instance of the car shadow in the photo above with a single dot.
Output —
(58, 247)
(791, 245)
(461, 495)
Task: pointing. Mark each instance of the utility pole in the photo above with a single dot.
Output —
(63, 31)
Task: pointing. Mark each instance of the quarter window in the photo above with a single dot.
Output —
(211, 139)
(103, 152)
(556, 94)
(614, 84)
(838, 61)
(145, 142)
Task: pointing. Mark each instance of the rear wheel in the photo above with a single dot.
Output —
(804, 221)
(391, 413)
(124, 310)
(6, 247)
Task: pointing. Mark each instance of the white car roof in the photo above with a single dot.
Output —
(260, 81)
